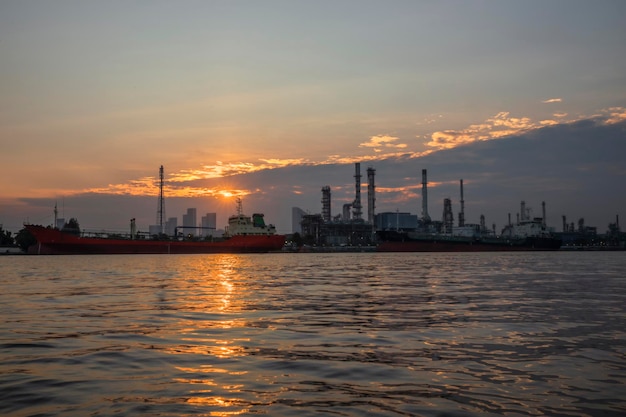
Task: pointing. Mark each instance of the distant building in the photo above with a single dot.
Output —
(297, 214)
(154, 230)
(209, 224)
(190, 223)
(170, 226)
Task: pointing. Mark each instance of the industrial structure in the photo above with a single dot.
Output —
(161, 204)
(347, 229)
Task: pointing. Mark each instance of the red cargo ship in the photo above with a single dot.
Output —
(243, 235)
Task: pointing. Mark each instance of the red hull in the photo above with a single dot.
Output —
(53, 242)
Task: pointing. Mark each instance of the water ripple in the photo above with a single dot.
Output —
(526, 334)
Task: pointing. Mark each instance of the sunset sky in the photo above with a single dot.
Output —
(272, 100)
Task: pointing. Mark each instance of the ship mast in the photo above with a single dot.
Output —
(239, 207)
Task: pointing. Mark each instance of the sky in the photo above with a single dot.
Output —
(272, 100)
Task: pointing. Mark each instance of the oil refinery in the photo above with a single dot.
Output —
(351, 230)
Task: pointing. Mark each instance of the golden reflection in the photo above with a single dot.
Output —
(219, 402)
(211, 296)
(208, 369)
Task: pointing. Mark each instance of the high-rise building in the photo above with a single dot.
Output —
(208, 223)
(190, 223)
(296, 219)
(170, 226)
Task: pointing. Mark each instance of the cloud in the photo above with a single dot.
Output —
(382, 141)
(503, 125)
(616, 115)
(430, 119)
(553, 100)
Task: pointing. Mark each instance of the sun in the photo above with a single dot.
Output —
(226, 193)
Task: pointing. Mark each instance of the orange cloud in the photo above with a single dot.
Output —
(382, 141)
(616, 114)
(499, 126)
(503, 125)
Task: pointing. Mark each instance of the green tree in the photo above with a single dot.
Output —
(296, 238)
(24, 239)
(5, 237)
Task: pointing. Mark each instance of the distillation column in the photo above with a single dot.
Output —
(371, 195)
(357, 214)
(326, 215)
(448, 217)
(462, 212)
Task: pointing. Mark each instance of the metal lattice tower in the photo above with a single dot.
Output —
(161, 205)
(425, 216)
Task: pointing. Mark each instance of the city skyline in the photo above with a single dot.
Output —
(272, 101)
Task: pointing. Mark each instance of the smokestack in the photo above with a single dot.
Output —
(543, 210)
(326, 203)
(425, 216)
(522, 211)
(371, 195)
(564, 224)
(356, 206)
(462, 212)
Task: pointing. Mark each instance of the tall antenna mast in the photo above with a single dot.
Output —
(161, 207)
(425, 216)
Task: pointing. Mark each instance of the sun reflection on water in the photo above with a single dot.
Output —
(217, 289)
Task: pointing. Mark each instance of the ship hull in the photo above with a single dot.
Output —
(53, 242)
(395, 242)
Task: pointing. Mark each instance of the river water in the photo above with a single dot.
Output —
(515, 334)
